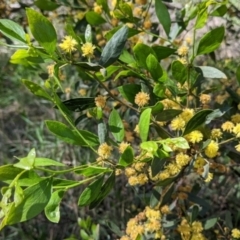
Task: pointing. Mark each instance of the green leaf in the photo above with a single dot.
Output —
(116, 126)
(105, 190)
(215, 114)
(46, 5)
(52, 210)
(88, 34)
(94, 19)
(131, 32)
(194, 211)
(102, 131)
(129, 91)
(12, 30)
(167, 195)
(126, 57)
(197, 120)
(159, 90)
(27, 163)
(127, 157)
(154, 67)
(36, 89)
(179, 71)
(211, 72)
(35, 199)
(163, 52)
(157, 108)
(140, 51)
(149, 146)
(59, 183)
(91, 192)
(220, 11)
(201, 19)
(157, 166)
(79, 104)
(163, 15)
(210, 41)
(42, 30)
(92, 170)
(40, 162)
(68, 135)
(168, 115)
(88, 66)
(114, 47)
(210, 223)
(9, 172)
(144, 124)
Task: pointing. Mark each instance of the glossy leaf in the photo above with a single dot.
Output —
(149, 146)
(116, 126)
(46, 5)
(211, 72)
(144, 124)
(68, 135)
(40, 162)
(94, 19)
(157, 166)
(196, 121)
(194, 211)
(215, 114)
(92, 170)
(154, 67)
(163, 52)
(129, 91)
(35, 199)
(52, 210)
(79, 104)
(12, 30)
(91, 192)
(9, 172)
(163, 15)
(179, 72)
(42, 30)
(201, 19)
(220, 11)
(210, 222)
(114, 47)
(36, 89)
(168, 115)
(127, 157)
(102, 131)
(27, 163)
(211, 41)
(159, 90)
(126, 57)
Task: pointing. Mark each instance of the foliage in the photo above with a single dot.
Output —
(165, 126)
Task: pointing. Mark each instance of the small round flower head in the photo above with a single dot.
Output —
(133, 180)
(142, 99)
(82, 92)
(100, 101)
(235, 233)
(125, 237)
(152, 214)
(227, 126)
(212, 149)
(235, 118)
(173, 169)
(165, 209)
(104, 150)
(194, 136)
(164, 175)
(188, 40)
(97, 8)
(50, 69)
(237, 147)
(216, 133)
(147, 24)
(183, 50)
(129, 171)
(137, 11)
(123, 146)
(199, 162)
(236, 130)
(205, 99)
(67, 90)
(209, 177)
(177, 123)
(68, 44)
(197, 227)
(142, 178)
(182, 159)
(88, 49)
(187, 114)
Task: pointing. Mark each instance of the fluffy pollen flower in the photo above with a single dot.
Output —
(237, 147)
(177, 123)
(68, 44)
(183, 50)
(142, 178)
(236, 130)
(129, 171)
(235, 118)
(104, 150)
(182, 159)
(133, 181)
(209, 177)
(236, 233)
(216, 133)
(165, 209)
(142, 99)
(194, 137)
(205, 99)
(152, 214)
(100, 101)
(199, 162)
(187, 114)
(88, 49)
(212, 149)
(197, 227)
(227, 126)
(97, 8)
(123, 146)
(173, 168)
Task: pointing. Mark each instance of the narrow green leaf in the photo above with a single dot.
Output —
(157, 166)
(91, 192)
(154, 67)
(35, 199)
(88, 34)
(79, 104)
(220, 11)
(68, 135)
(116, 126)
(179, 71)
(211, 72)
(127, 157)
(27, 162)
(194, 211)
(42, 30)
(126, 57)
(163, 52)
(46, 5)
(163, 15)
(201, 19)
(168, 115)
(114, 47)
(129, 91)
(52, 210)
(40, 162)
(36, 89)
(92, 170)
(211, 41)
(9, 172)
(215, 114)
(144, 124)
(94, 19)
(210, 223)
(102, 131)
(196, 121)
(12, 30)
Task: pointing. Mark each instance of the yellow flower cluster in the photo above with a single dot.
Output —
(88, 49)
(100, 101)
(212, 149)
(104, 150)
(236, 233)
(68, 44)
(216, 133)
(194, 137)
